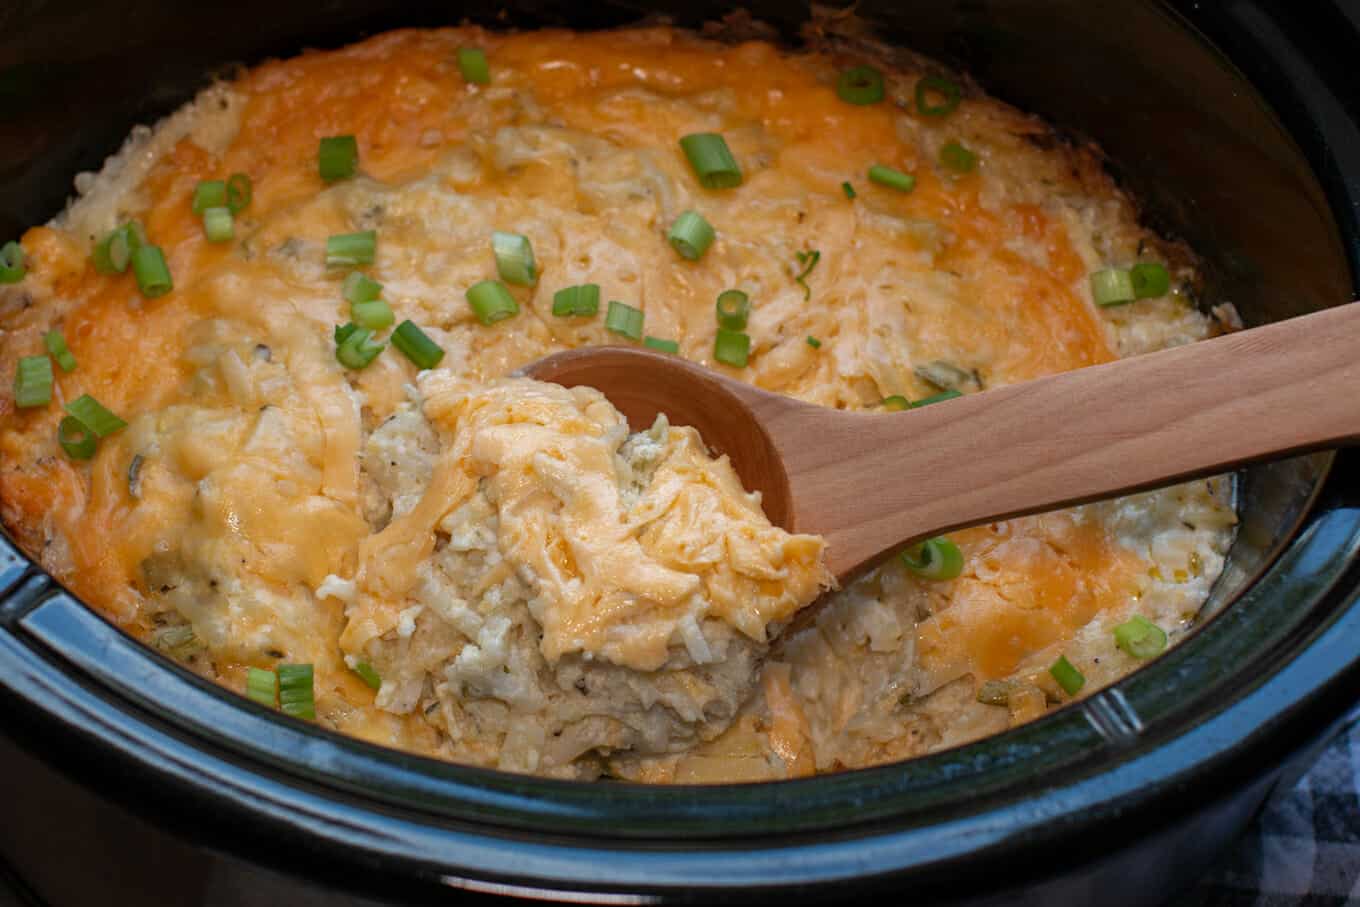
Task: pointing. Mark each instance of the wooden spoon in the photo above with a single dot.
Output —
(873, 482)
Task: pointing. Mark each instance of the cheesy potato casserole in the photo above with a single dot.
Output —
(263, 415)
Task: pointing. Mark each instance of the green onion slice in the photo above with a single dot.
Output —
(957, 158)
(77, 440)
(1150, 280)
(514, 258)
(33, 382)
(239, 192)
(624, 320)
(849, 190)
(896, 403)
(814, 342)
(348, 250)
(936, 558)
(416, 345)
(691, 235)
(1140, 637)
(12, 265)
(359, 287)
(665, 346)
(92, 414)
(732, 348)
(296, 697)
(1068, 677)
(491, 301)
(947, 89)
(936, 398)
(113, 252)
(262, 686)
(56, 345)
(583, 300)
(860, 85)
(472, 64)
(217, 224)
(733, 308)
(893, 179)
(1112, 286)
(338, 158)
(712, 160)
(151, 271)
(355, 347)
(375, 314)
(367, 674)
(209, 194)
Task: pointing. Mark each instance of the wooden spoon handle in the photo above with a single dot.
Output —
(870, 482)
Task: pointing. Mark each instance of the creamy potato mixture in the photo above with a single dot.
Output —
(333, 496)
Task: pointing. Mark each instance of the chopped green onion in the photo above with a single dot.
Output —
(936, 398)
(948, 89)
(343, 332)
(514, 258)
(77, 440)
(665, 346)
(367, 674)
(814, 342)
(860, 85)
(359, 287)
(491, 301)
(472, 64)
(936, 558)
(296, 697)
(209, 194)
(217, 224)
(1150, 280)
(114, 251)
(348, 250)
(733, 308)
(957, 158)
(896, 403)
(712, 160)
(732, 348)
(849, 190)
(56, 345)
(624, 319)
(355, 347)
(1112, 286)
(92, 414)
(583, 300)
(691, 235)
(1068, 677)
(893, 179)
(12, 266)
(1140, 637)
(153, 275)
(338, 158)
(239, 192)
(809, 261)
(33, 382)
(416, 345)
(375, 314)
(262, 686)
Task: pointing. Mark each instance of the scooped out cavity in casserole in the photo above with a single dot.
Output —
(261, 415)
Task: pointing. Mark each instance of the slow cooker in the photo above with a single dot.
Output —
(1229, 120)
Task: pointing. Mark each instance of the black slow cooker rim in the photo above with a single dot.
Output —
(78, 686)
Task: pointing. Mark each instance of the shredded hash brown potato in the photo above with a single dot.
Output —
(530, 586)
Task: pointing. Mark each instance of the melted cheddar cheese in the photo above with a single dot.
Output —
(538, 590)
